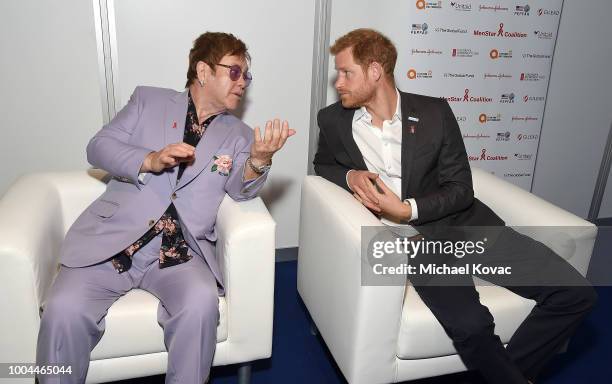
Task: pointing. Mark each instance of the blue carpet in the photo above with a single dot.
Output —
(300, 357)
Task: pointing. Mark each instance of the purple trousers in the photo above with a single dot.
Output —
(72, 322)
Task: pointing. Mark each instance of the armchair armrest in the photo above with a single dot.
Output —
(245, 251)
(360, 324)
(32, 232)
(568, 235)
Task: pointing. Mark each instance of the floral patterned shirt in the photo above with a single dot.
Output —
(174, 249)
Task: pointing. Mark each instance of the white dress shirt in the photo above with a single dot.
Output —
(382, 150)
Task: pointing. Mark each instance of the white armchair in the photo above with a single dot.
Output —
(386, 334)
(37, 211)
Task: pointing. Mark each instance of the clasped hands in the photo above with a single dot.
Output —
(262, 150)
(375, 195)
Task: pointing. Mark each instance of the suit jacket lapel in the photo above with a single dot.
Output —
(212, 139)
(410, 130)
(345, 124)
(174, 127)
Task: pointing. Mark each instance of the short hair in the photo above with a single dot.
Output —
(211, 47)
(368, 46)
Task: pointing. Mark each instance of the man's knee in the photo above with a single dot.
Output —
(472, 325)
(201, 305)
(63, 311)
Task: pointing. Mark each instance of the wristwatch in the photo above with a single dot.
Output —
(261, 169)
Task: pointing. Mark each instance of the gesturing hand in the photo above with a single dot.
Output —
(274, 138)
(168, 157)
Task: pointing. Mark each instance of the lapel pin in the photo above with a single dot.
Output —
(415, 119)
(174, 124)
(412, 129)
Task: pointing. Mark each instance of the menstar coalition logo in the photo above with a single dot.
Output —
(486, 157)
(497, 54)
(500, 33)
(524, 118)
(428, 52)
(475, 136)
(535, 56)
(422, 4)
(463, 7)
(523, 156)
(484, 118)
(543, 35)
(528, 98)
(419, 29)
(413, 74)
(467, 98)
(525, 76)
(507, 98)
(463, 52)
(493, 8)
(503, 136)
(527, 137)
(548, 12)
(498, 76)
(450, 30)
(522, 10)
(454, 75)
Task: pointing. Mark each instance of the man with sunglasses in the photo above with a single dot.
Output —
(172, 156)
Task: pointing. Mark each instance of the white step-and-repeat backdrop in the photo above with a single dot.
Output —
(490, 59)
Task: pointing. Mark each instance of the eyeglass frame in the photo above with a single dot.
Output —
(246, 75)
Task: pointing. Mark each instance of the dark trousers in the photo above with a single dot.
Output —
(563, 299)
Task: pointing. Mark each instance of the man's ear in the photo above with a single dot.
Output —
(376, 70)
(204, 71)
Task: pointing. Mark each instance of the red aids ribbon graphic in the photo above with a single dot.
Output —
(501, 29)
(483, 155)
(466, 97)
(174, 124)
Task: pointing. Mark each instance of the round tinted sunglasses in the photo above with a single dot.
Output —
(235, 71)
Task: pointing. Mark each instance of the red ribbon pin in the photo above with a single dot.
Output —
(174, 124)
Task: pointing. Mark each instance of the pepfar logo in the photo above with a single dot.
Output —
(503, 136)
(522, 10)
(419, 29)
(507, 98)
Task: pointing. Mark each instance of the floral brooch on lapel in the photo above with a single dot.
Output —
(222, 164)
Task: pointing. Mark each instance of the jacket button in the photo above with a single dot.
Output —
(151, 222)
(173, 196)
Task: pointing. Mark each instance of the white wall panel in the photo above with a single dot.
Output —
(50, 95)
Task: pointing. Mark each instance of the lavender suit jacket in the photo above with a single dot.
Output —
(152, 119)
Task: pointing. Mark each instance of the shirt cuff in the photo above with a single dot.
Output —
(415, 210)
(142, 177)
(347, 183)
